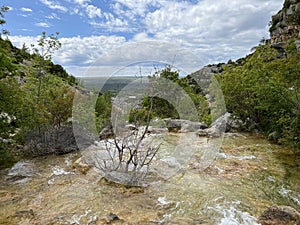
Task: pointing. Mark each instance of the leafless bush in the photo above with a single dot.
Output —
(127, 158)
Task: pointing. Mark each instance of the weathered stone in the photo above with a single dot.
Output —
(280, 49)
(179, 125)
(280, 215)
(106, 132)
(21, 171)
(59, 140)
(285, 23)
(234, 124)
(217, 128)
(156, 130)
(297, 43)
(81, 166)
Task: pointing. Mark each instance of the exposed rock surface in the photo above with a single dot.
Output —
(81, 165)
(21, 171)
(217, 128)
(179, 125)
(286, 23)
(58, 140)
(106, 132)
(280, 215)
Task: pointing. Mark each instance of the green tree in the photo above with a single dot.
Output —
(47, 45)
(3, 10)
(103, 110)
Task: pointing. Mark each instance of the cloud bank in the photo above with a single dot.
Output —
(214, 31)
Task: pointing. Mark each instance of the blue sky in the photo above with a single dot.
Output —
(103, 33)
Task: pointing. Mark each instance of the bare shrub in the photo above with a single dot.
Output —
(127, 158)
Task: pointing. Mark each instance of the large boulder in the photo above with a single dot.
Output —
(180, 125)
(58, 140)
(280, 215)
(217, 128)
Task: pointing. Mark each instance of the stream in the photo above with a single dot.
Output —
(248, 175)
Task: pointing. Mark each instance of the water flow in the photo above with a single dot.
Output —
(247, 177)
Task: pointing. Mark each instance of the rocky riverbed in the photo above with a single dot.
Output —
(248, 176)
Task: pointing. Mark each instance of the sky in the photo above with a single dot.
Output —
(108, 35)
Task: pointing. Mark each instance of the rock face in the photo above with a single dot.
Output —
(179, 125)
(286, 23)
(280, 215)
(59, 140)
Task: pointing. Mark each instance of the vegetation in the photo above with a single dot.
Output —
(35, 95)
(3, 10)
(162, 108)
(103, 110)
(264, 92)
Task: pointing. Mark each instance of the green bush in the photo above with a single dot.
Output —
(264, 92)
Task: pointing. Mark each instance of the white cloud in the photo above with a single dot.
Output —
(215, 32)
(85, 50)
(26, 10)
(43, 24)
(20, 40)
(82, 2)
(53, 16)
(112, 24)
(229, 28)
(93, 11)
(137, 7)
(54, 5)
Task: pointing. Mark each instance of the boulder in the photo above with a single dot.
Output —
(156, 130)
(217, 128)
(180, 125)
(57, 140)
(280, 215)
(21, 171)
(234, 124)
(106, 132)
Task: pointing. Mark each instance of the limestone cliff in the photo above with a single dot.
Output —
(286, 23)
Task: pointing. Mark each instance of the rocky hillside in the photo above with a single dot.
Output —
(286, 23)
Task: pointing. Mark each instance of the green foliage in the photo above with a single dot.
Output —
(3, 10)
(6, 158)
(161, 108)
(168, 73)
(52, 105)
(139, 116)
(35, 95)
(6, 65)
(59, 71)
(47, 45)
(264, 93)
(103, 110)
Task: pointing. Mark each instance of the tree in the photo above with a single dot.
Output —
(3, 10)
(47, 45)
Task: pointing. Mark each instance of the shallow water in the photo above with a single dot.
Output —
(248, 175)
